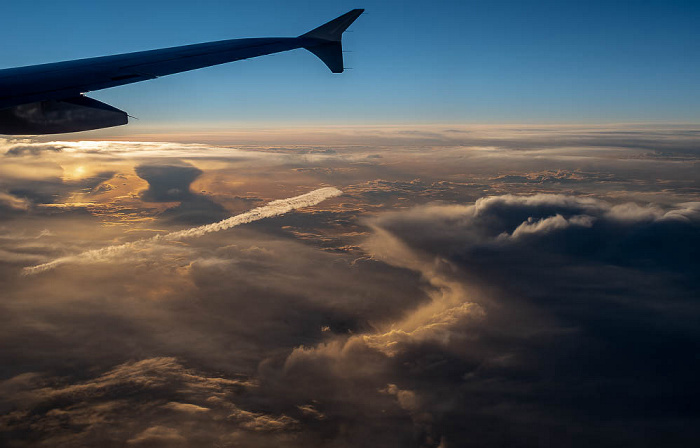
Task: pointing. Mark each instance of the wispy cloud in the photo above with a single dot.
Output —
(274, 208)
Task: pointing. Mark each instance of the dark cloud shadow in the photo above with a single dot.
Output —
(171, 183)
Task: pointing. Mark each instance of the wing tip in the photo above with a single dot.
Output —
(333, 30)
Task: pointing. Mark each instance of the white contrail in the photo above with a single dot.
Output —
(274, 208)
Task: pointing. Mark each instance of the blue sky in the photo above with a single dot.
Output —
(413, 62)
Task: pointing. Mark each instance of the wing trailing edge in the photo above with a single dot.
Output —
(75, 114)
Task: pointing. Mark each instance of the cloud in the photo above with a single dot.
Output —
(510, 339)
(130, 402)
(561, 314)
(33, 149)
(185, 407)
(157, 436)
(274, 208)
(537, 321)
(256, 302)
(577, 294)
(13, 203)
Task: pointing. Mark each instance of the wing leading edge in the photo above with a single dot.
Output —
(47, 98)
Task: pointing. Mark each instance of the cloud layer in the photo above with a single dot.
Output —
(470, 287)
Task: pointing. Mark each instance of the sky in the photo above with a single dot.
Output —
(444, 62)
(484, 234)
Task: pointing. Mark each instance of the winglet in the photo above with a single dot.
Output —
(325, 41)
(333, 30)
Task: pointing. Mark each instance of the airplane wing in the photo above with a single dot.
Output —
(48, 98)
